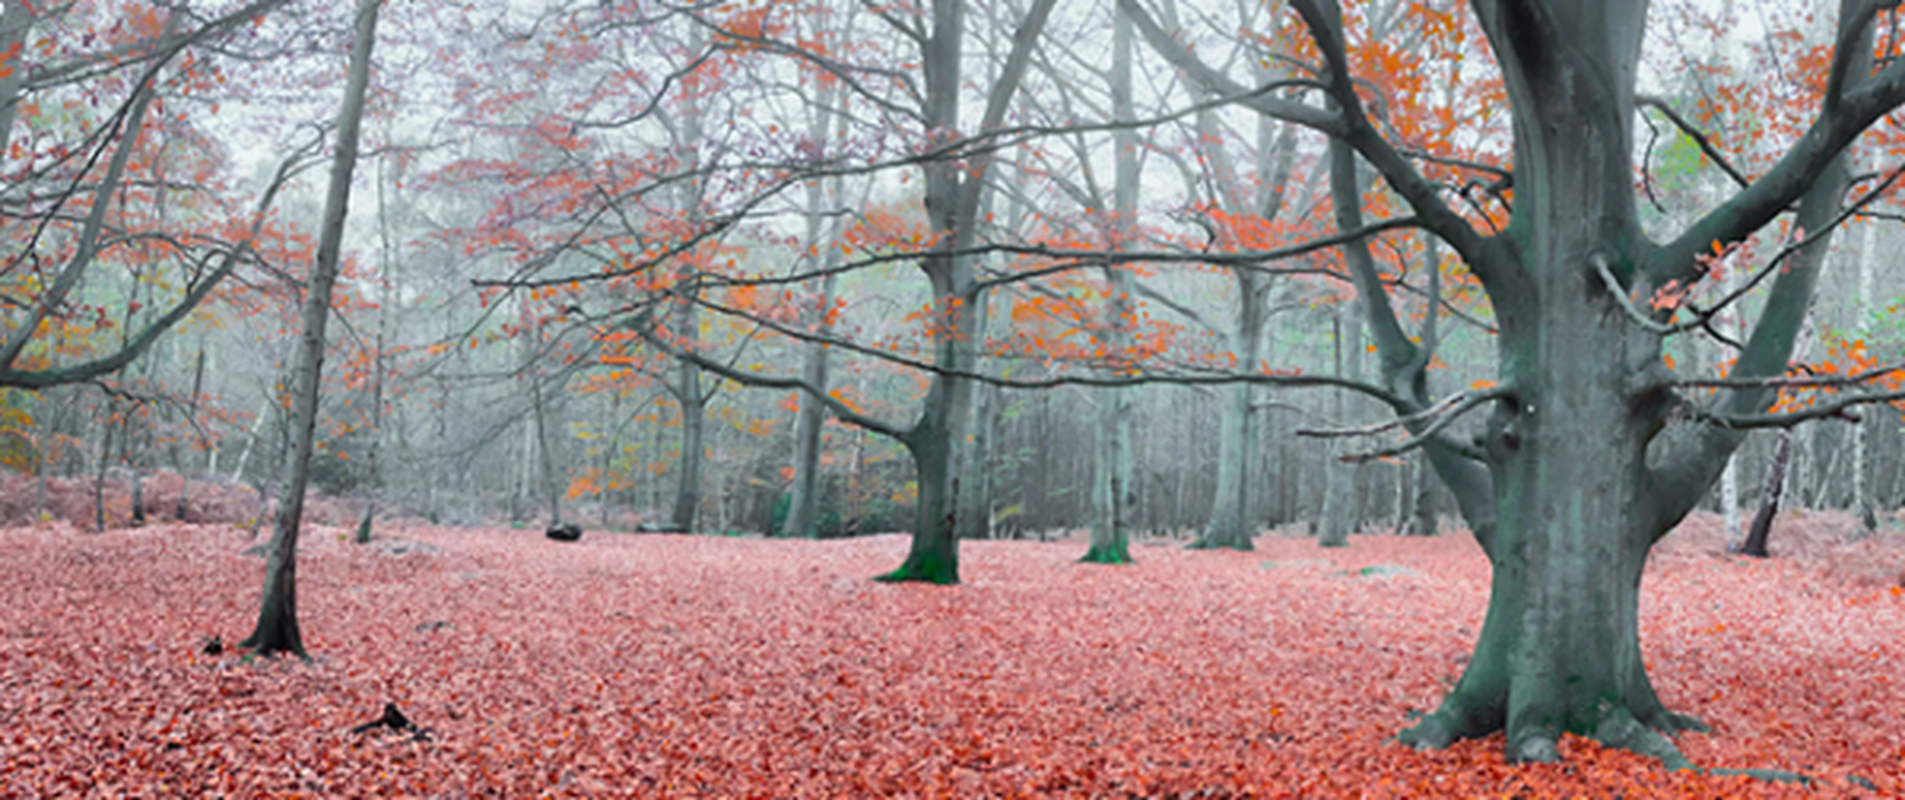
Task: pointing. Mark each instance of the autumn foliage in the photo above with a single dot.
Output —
(706, 666)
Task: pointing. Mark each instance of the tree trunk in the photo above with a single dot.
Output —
(974, 514)
(277, 629)
(1861, 429)
(185, 475)
(693, 430)
(1425, 519)
(1578, 501)
(99, 475)
(1755, 544)
(934, 554)
(1113, 494)
(1338, 517)
(952, 199)
(16, 20)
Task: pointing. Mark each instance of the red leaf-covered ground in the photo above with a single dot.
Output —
(668, 665)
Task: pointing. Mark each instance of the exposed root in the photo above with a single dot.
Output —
(1535, 746)
(1431, 732)
(1107, 554)
(1774, 775)
(1201, 543)
(1672, 723)
(923, 570)
(1621, 731)
(1618, 730)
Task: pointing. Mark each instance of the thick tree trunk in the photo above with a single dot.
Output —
(277, 629)
(1578, 503)
(952, 200)
(1559, 649)
(934, 555)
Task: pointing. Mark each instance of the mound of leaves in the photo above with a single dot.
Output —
(675, 665)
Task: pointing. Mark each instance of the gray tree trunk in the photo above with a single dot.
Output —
(277, 629)
(1861, 430)
(1114, 496)
(1338, 517)
(803, 505)
(693, 403)
(804, 496)
(953, 194)
(1588, 456)
(1762, 529)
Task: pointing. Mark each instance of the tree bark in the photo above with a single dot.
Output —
(693, 403)
(1338, 517)
(953, 194)
(277, 629)
(1114, 495)
(1861, 430)
(1762, 529)
(803, 505)
(1578, 501)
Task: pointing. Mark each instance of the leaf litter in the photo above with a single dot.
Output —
(705, 666)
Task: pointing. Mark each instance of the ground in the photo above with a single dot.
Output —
(644, 665)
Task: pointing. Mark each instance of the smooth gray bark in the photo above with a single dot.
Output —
(277, 629)
(1114, 496)
(953, 195)
(1591, 452)
(1338, 518)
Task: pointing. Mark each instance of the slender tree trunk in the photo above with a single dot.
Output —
(185, 475)
(16, 20)
(376, 482)
(687, 387)
(803, 507)
(105, 458)
(973, 519)
(692, 402)
(1861, 430)
(1426, 518)
(1755, 544)
(1338, 517)
(1114, 493)
(277, 629)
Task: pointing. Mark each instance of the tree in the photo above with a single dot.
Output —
(277, 629)
(75, 217)
(1593, 449)
(1113, 493)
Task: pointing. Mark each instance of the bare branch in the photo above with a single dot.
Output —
(1698, 136)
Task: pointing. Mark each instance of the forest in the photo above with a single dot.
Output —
(994, 398)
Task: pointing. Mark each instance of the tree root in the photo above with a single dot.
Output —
(1201, 543)
(1618, 730)
(1107, 555)
(922, 570)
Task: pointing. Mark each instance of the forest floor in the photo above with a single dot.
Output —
(651, 665)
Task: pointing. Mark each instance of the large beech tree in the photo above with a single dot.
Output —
(1593, 449)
